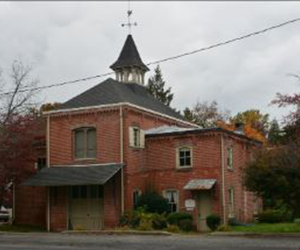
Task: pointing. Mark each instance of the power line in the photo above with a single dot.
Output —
(225, 42)
(255, 33)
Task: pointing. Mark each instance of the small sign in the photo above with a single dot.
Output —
(190, 204)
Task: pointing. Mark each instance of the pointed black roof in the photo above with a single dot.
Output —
(112, 92)
(129, 56)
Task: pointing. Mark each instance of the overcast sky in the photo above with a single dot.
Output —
(70, 40)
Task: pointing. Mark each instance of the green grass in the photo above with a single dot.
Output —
(20, 228)
(267, 228)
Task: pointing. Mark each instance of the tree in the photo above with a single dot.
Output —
(275, 133)
(18, 121)
(255, 123)
(255, 119)
(292, 120)
(206, 114)
(156, 87)
(274, 174)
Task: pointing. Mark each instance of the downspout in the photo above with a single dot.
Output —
(223, 180)
(48, 165)
(122, 158)
(14, 204)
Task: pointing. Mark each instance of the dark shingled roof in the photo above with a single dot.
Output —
(73, 175)
(111, 92)
(129, 56)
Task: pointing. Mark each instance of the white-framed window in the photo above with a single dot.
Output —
(136, 137)
(231, 202)
(184, 157)
(172, 197)
(135, 197)
(230, 157)
(84, 143)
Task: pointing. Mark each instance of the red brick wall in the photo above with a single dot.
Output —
(59, 209)
(107, 125)
(30, 205)
(112, 202)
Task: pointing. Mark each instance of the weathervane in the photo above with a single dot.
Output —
(129, 24)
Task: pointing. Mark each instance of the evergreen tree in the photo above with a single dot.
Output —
(274, 135)
(156, 87)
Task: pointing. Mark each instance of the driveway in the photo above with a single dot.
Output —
(132, 242)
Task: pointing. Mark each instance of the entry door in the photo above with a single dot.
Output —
(86, 208)
(204, 210)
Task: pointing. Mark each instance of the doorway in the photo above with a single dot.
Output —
(86, 210)
(204, 209)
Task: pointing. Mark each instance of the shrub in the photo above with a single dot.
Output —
(175, 218)
(274, 216)
(186, 225)
(153, 202)
(159, 221)
(130, 218)
(297, 221)
(213, 221)
(173, 229)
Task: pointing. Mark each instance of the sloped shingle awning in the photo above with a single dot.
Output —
(73, 175)
(200, 184)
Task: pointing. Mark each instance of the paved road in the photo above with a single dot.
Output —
(133, 242)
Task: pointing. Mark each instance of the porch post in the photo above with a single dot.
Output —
(48, 209)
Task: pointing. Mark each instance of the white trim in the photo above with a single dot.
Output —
(118, 105)
(48, 142)
(87, 165)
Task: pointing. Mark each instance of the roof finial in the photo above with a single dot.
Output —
(129, 23)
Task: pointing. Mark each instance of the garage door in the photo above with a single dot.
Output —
(86, 208)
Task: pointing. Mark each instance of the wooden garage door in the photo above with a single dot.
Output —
(86, 208)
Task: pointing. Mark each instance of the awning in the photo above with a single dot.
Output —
(73, 175)
(200, 184)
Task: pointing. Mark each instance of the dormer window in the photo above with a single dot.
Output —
(84, 143)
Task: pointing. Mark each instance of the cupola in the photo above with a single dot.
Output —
(129, 67)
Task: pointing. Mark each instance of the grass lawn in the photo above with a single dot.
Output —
(268, 228)
(20, 228)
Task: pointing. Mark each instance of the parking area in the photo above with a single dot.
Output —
(47, 241)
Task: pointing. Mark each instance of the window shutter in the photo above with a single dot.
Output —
(142, 138)
(131, 137)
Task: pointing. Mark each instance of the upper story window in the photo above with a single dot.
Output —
(85, 143)
(136, 137)
(184, 157)
(230, 157)
(172, 197)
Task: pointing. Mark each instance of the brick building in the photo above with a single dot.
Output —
(106, 145)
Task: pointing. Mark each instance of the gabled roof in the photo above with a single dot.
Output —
(113, 92)
(129, 56)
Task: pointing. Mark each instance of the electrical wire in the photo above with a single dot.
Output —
(255, 33)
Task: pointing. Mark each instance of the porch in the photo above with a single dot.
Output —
(81, 197)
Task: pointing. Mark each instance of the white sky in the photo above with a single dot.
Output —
(70, 40)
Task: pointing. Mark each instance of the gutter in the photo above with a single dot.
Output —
(223, 181)
(122, 158)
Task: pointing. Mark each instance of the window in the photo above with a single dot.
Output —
(84, 192)
(184, 157)
(41, 163)
(135, 196)
(230, 157)
(136, 137)
(172, 197)
(85, 143)
(231, 202)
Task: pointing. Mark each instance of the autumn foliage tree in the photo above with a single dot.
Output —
(18, 125)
